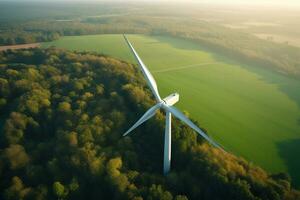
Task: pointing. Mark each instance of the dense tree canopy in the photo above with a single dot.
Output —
(61, 123)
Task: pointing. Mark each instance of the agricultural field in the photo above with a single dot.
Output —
(251, 111)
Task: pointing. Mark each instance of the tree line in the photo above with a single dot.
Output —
(239, 46)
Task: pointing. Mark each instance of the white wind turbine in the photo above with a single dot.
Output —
(167, 105)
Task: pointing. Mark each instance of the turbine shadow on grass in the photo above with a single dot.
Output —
(285, 148)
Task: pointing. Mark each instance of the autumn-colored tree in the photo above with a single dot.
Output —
(16, 156)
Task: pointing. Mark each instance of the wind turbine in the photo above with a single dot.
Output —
(167, 105)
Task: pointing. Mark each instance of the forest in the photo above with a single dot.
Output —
(62, 116)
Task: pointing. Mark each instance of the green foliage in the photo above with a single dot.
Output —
(116, 178)
(113, 167)
(16, 190)
(14, 127)
(74, 185)
(64, 107)
(2, 103)
(59, 190)
(180, 197)
(156, 192)
(70, 146)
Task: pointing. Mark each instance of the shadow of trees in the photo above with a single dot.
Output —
(285, 148)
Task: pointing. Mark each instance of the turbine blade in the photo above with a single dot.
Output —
(148, 76)
(150, 113)
(183, 118)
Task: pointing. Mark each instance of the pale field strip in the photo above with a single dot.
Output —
(20, 46)
(184, 67)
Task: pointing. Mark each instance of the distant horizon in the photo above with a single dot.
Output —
(221, 2)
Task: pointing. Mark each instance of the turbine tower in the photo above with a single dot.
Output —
(167, 105)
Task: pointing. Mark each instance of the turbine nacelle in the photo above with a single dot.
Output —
(171, 99)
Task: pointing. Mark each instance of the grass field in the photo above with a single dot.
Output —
(252, 112)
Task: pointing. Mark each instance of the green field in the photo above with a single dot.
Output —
(252, 112)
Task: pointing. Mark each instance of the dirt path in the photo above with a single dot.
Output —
(20, 46)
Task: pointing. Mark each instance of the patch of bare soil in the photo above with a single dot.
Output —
(20, 46)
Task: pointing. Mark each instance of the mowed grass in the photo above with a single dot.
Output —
(251, 111)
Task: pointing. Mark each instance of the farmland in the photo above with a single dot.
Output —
(253, 112)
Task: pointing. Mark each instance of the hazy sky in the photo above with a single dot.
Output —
(255, 1)
(275, 2)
